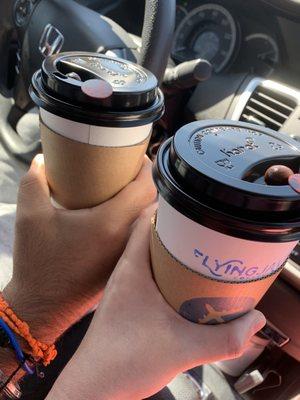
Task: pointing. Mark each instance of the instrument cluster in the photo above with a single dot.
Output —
(225, 36)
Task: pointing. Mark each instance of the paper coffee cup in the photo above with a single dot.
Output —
(221, 235)
(84, 174)
(214, 254)
(96, 116)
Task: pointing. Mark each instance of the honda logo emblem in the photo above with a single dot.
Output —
(51, 41)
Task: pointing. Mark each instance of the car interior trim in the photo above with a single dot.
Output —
(266, 83)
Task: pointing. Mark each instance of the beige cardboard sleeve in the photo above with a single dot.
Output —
(82, 175)
(197, 297)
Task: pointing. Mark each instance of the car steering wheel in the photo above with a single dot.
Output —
(32, 29)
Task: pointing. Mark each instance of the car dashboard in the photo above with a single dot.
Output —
(234, 35)
(227, 36)
(237, 36)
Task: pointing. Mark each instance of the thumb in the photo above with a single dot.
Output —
(210, 343)
(137, 250)
(34, 191)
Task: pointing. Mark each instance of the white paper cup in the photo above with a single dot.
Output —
(96, 117)
(83, 169)
(95, 135)
(87, 164)
(222, 233)
(215, 254)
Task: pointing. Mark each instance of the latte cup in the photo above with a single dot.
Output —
(221, 235)
(96, 118)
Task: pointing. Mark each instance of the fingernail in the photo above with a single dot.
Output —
(259, 323)
(37, 162)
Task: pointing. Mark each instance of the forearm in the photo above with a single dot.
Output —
(86, 377)
(67, 390)
(47, 321)
(72, 385)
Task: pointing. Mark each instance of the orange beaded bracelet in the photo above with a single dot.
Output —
(38, 350)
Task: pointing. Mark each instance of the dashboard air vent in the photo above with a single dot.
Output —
(269, 108)
(267, 103)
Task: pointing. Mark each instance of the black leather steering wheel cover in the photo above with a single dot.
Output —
(157, 41)
(83, 29)
(158, 29)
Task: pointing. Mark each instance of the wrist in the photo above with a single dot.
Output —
(65, 391)
(9, 363)
(79, 381)
(32, 309)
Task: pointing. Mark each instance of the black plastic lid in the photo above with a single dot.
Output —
(128, 94)
(213, 172)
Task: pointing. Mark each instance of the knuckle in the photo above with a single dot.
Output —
(26, 217)
(121, 278)
(133, 210)
(112, 230)
(152, 190)
(22, 222)
(144, 215)
(150, 193)
(234, 344)
(26, 182)
(25, 214)
(144, 194)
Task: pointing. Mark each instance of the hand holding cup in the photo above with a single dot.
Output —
(137, 343)
(63, 258)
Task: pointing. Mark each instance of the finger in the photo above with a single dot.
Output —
(138, 244)
(210, 343)
(34, 190)
(133, 269)
(135, 261)
(127, 205)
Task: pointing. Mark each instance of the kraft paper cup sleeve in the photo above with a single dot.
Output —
(81, 175)
(199, 298)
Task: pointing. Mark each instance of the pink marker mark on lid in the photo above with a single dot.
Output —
(294, 182)
(97, 88)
